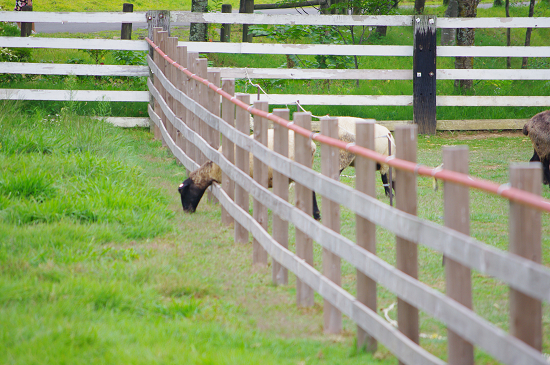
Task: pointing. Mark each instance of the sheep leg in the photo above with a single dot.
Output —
(545, 171)
(316, 212)
(545, 168)
(387, 188)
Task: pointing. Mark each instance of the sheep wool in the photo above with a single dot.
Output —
(538, 130)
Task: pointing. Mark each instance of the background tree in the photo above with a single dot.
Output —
(198, 31)
(528, 33)
(508, 34)
(465, 37)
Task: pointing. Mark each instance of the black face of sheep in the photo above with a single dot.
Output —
(538, 130)
(191, 195)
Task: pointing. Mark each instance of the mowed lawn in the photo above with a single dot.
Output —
(98, 264)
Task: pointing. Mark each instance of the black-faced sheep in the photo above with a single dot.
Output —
(192, 189)
(538, 130)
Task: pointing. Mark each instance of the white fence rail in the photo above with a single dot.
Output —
(299, 49)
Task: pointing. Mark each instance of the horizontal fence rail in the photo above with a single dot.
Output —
(504, 347)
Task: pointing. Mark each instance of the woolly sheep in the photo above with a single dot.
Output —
(346, 133)
(192, 189)
(538, 130)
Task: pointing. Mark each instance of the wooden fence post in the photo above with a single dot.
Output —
(228, 115)
(525, 241)
(457, 216)
(201, 69)
(303, 201)
(365, 170)
(26, 27)
(406, 251)
(171, 72)
(330, 166)
(259, 254)
(225, 31)
(280, 188)
(163, 35)
(126, 29)
(242, 161)
(181, 84)
(156, 81)
(213, 106)
(157, 19)
(246, 6)
(424, 73)
(190, 116)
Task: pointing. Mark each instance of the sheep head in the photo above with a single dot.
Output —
(192, 189)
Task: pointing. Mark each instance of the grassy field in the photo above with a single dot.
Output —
(98, 263)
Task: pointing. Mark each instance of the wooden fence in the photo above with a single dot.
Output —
(186, 113)
(154, 18)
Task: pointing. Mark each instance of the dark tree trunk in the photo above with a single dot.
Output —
(465, 37)
(528, 33)
(419, 6)
(508, 34)
(198, 31)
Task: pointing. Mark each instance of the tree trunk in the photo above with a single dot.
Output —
(508, 35)
(419, 6)
(465, 37)
(528, 33)
(198, 31)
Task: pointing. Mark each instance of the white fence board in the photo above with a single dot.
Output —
(453, 100)
(73, 43)
(516, 22)
(313, 74)
(300, 49)
(69, 17)
(492, 51)
(74, 95)
(70, 69)
(376, 74)
(294, 19)
(307, 99)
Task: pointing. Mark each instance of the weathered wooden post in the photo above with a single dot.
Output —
(365, 170)
(259, 254)
(246, 6)
(171, 73)
(280, 188)
(201, 69)
(156, 81)
(228, 115)
(525, 241)
(158, 19)
(225, 31)
(213, 106)
(155, 20)
(330, 166)
(424, 73)
(181, 84)
(242, 161)
(406, 251)
(190, 116)
(126, 29)
(457, 216)
(304, 202)
(26, 27)
(163, 37)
